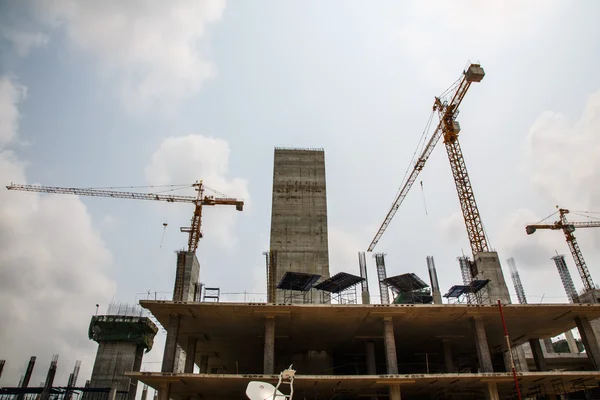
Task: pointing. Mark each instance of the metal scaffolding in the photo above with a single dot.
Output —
(381, 275)
(565, 277)
(514, 274)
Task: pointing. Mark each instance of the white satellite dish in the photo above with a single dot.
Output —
(263, 391)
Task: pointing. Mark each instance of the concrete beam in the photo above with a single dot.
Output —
(391, 357)
(371, 365)
(168, 363)
(269, 351)
(589, 340)
(190, 355)
(483, 350)
(538, 355)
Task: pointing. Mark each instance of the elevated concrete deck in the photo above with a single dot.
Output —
(414, 386)
(232, 334)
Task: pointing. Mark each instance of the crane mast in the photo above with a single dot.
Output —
(568, 228)
(194, 231)
(449, 128)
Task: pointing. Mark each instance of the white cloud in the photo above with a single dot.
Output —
(564, 158)
(471, 26)
(158, 49)
(190, 158)
(24, 41)
(452, 227)
(11, 94)
(52, 267)
(562, 164)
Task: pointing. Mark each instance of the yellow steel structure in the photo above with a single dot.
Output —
(447, 108)
(194, 231)
(568, 228)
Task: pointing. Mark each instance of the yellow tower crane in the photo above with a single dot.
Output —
(446, 106)
(568, 228)
(194, 230)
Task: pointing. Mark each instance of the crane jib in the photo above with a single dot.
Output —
(447, 112)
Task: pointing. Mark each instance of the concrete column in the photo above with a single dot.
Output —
(112, 395)
(395, 392)
(371, 366)
(538, 355)
(269, 353)
(168, 363)
(589, 340)
(366, 299)
(391, 357)
(493, 391)
(164, 392)
(548, 346)
(190, 355)
(204, 364)
(448, 356)
(571, 342)
(483, 350)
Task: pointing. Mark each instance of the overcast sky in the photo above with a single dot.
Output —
(112, 93)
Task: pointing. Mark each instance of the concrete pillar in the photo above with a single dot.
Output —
(483, 350)
(371, 366)
(168, 363)
(366, 299)
(548, 346)
(395, 392)
(571, 342)
(493, 391)
(204, 364)
(589, 340)
(448, 356)
(190, 355)
(390, 346)
(112, 395)
(538, 355)
(269, 352)
(164, 392)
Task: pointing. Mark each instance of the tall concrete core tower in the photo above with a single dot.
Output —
(299, 216)
(122, 340)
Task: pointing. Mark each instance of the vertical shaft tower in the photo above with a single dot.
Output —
(565, 277)
(514, 274)
(381, 275)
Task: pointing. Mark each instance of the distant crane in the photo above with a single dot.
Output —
(447, 108)
(568, 228)
(194, 230)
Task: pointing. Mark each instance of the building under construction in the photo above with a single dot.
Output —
(413, 347)
(410, 345)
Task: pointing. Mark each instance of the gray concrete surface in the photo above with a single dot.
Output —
(299, 214)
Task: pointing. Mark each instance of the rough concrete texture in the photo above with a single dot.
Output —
(488, 267)
(299, 214)
(113, 359)
(187, 276)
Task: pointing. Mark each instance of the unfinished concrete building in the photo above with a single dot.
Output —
(298, 219)
(122, 338)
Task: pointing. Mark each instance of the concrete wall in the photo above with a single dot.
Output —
(488, 267)
(299, 214)
(113, 359)
(187, 276)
